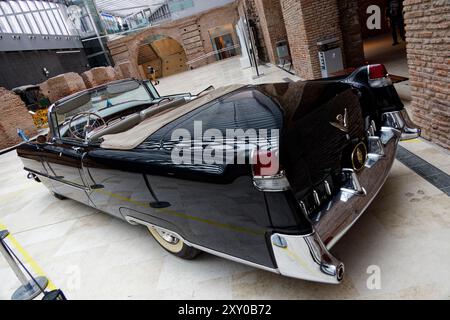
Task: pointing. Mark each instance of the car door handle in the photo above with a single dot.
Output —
(78, 150)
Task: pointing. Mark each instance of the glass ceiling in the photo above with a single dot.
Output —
(125, 8)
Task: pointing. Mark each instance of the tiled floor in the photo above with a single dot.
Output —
(90, 255)
(437, 177)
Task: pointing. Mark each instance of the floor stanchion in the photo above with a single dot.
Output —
(29, 289)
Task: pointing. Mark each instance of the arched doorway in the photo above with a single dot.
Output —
(164, 54)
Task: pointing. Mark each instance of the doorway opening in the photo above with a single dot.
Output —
(379, 43)
(164, 55)
(224, 42)
(386, 46)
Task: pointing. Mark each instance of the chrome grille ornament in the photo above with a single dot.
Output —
(341, 122)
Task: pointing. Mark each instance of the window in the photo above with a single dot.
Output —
(4, 26)
(59, 19)
(15, 6)
(45, 4)
(5, 6)
(40, 23)
(47, 22)
(14, 24)
(23, 6)
(32, 23)
(31, 4)
(54, 22)
(39, 5)
(23, 23)
(180, 5)
(34, 17)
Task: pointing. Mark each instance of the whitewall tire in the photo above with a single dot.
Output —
(173, 243)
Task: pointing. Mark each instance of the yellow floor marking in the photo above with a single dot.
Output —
(28, 259)
(413, 140)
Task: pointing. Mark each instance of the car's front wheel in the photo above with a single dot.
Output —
(173, 244)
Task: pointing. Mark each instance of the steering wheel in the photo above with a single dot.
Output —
(92, 122)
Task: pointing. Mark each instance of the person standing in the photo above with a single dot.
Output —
(394, 12)
(152, 73)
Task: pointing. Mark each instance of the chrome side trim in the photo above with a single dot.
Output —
(305, 257)
(136, 221)
(67, 183)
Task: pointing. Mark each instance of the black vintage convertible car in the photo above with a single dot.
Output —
(269, 175)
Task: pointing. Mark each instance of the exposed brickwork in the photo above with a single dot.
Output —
(62, 85)
(98, 76)
(191, 32)
(15, 115)
(353, 50)
(428, 47)
(272, 25)
(124, 70)
(309, 21)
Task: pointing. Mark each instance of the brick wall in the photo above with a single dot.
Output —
(353, 50)
(272, 25)
(428, 48)
(14, 115)
(98, 76)
(62, 85)
(190, 32)
(309, 21)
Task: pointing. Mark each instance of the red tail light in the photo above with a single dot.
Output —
(267, 175)
(377, 71)
(378, 76)
(265, 163)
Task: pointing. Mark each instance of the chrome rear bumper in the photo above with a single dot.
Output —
(307, 257)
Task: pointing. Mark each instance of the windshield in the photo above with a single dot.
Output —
(104, 101)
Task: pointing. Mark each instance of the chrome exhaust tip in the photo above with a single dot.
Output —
(410, 133)
(340, 272)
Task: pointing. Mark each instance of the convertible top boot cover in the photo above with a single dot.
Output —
(130, 139)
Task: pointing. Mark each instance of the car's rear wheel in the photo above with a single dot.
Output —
(173, 243)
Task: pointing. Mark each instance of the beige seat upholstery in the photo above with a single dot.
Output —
(118, 127)
(131, 138)
(155, 110)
